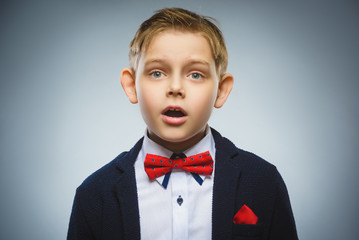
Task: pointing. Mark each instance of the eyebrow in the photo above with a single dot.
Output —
(154, 60)
(189, 61)
(198, 61)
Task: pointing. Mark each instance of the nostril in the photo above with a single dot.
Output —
(175, 93)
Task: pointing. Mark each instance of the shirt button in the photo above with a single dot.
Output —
(179, 200)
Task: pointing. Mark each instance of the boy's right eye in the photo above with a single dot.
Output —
(157, 74)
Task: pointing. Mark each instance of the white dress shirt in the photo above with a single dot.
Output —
(161, 216)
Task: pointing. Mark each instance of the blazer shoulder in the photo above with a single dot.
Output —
(253, 164)
(245, 161)
(109, 174)
(103, 176)
(250, 158)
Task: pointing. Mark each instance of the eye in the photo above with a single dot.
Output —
(157, 74)
(196, 76)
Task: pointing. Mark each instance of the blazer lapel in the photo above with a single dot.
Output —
(224, 189)
(127, 193)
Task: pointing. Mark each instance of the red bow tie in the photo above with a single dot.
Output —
(157, 166)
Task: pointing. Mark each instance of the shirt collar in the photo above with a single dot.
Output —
(205, 144)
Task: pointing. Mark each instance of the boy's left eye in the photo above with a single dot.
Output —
(196, 76)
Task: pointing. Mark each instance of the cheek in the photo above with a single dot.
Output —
(147, 103)
(204, 102)
(150, 99)
(145, 99)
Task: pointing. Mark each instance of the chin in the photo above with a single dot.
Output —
(174, 138)
(179, 135)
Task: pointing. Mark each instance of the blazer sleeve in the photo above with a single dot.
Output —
(79, 226)
(282, 224)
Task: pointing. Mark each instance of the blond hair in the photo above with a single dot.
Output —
(183, 20)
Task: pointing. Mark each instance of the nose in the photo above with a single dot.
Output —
(175, 88)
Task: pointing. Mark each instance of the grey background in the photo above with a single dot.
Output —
(64, 114)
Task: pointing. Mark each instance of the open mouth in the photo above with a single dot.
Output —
(174, 111)
(174, 115)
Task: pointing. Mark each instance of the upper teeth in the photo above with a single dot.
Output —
(174, 109)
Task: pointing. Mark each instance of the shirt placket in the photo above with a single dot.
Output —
(180, 203)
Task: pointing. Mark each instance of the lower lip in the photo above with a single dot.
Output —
(174, 120)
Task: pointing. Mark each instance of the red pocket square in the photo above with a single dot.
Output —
(245, 216)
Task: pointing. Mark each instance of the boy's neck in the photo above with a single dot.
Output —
(178, 147)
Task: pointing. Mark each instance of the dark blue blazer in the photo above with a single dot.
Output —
(106, 204)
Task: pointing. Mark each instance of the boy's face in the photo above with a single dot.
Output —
(177, 86)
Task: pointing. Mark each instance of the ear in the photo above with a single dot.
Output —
(128, 84)
(224, 89)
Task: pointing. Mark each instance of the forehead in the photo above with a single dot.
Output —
(179, 44)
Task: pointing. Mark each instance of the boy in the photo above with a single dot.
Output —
(182, 180)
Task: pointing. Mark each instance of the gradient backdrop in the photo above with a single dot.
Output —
(64, 114)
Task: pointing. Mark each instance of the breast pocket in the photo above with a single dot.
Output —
(247, 232)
